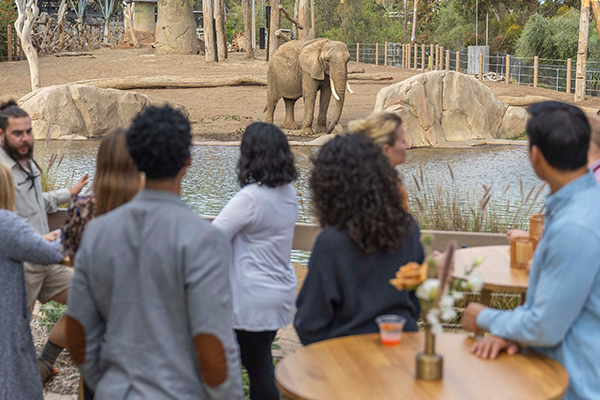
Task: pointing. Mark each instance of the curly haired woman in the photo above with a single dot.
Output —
(386, 131)
(259, 221)
(367, 236)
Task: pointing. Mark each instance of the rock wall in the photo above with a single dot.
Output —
(441, 106)
(84, 111)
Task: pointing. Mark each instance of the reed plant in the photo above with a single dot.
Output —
(440, 207)
(50, 176)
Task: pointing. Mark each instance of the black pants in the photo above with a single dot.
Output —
(258, 361)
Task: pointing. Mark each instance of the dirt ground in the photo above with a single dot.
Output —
(216, 113)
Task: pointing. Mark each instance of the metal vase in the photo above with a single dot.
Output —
(430, 366)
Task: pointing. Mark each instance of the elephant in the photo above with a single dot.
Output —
(300, 69)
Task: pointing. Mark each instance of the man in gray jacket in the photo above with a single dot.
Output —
(42, 282)
(154, 277)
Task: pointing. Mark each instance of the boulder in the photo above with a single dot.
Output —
(83, 110)
(143, 36)
(443, 106)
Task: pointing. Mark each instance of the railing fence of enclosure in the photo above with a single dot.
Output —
(552, 74)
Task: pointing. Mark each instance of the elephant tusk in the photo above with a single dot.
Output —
(349, 88)
(333, 90)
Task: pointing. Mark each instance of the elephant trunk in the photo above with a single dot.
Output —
(338, 87)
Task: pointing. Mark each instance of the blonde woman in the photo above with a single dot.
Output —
(117, 181)
(385, 130)
(19, 373)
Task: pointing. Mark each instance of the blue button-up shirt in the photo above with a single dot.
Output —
(561, 317)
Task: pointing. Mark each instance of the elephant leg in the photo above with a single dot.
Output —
(290, 123)
(309, 110)
(272, 100)
(323, 106)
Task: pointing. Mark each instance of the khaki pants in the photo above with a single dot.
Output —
(43, 282)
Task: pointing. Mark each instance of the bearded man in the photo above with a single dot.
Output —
(43, 283)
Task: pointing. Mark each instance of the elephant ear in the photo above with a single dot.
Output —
(310, 60)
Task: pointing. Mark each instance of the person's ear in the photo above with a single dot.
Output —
(385, 149)
(538, 161)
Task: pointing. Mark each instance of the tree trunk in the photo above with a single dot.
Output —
(297, 18)
(176, 28)
(275, 26)
(209, 33)
(28, 12)
(247, 30)
(221, 39)
(224, 25)
(596, 10)
(584, 27)
(165, 82)
(405, 21)
(414, 27)
(128, 24)
(304, 19)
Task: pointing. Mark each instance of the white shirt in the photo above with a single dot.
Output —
(260, 223)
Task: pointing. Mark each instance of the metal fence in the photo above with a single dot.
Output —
(551, 74)
(10, 47)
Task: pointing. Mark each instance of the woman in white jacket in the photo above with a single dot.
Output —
(259, 220)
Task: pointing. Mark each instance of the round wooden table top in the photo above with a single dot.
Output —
(495, 268)
(361, 368)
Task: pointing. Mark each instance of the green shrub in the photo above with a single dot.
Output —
(51, 312)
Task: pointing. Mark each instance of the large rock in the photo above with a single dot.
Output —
(442, 106)
(81, 110)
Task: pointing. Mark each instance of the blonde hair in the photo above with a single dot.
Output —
(117, 178)
(380, 127)
(7, 188)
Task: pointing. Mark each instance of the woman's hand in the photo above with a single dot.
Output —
(52, 236)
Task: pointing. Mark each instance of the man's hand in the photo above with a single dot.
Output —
(52, 236)
(515, 233)
(469, 319)
(75, 190)
(491, 346)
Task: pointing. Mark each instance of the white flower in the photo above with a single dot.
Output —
(448, 314)
(446, 301)
(458, 295)
(475, 283)
(428, 290)
(434, 321)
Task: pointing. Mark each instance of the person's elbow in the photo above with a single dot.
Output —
(544, 334)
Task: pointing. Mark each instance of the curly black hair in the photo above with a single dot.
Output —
(10, 109)
(265, 157)
(159, 142)
(355, 189)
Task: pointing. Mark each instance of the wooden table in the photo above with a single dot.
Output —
(495, 270)
(361, 368)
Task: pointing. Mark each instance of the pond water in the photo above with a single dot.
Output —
(211, 180)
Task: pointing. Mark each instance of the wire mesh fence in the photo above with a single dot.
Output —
(559, 75)
(10, 48)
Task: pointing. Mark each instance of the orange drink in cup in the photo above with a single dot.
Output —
(390, 328)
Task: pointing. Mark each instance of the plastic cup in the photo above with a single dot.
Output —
(390, 328)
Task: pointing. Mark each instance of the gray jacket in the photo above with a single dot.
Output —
(32, 203)
(156, 275)
(19, 373)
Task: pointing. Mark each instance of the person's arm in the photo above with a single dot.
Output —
(54, 199)
(25, 245)
(319, 295)
(565, 281)
(80, 212)
(83, 322)
(236, 215)
(210, 313)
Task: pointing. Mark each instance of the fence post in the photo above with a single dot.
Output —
(416, 56)
(376, 53)
(480, 66)
(9, 44)
(447, 60)
(430, 56)
(536, 63)
(436, 59)
(442, 58)
(385, 54)
(357, 51)
(569, 67)
(507, 69)
(458, 61)
(423, 57)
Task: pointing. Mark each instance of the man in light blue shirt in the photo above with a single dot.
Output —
(561, 317)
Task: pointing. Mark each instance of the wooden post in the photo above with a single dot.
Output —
(9, 44)
(447, 60)
(430, 56)
(569, 68)
(221, 39)
(436, 60)
(247, 29)
(403, 56)
(385, 52)
(480, 66)
(507, 69)
(209, 33)
(441, 64)
(458, 61)
(253, 25)
(584, 27)
(416, 56)
(376, 53)
(423, 65)
(536, 62)
(312, 19)
(357, 51)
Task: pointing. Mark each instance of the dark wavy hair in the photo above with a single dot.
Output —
(10, 109)
(159, 142)
(355, 189)
(265, 157)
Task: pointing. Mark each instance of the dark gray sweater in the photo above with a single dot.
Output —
(345, 289)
